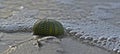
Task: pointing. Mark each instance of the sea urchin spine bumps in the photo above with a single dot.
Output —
(48, 27)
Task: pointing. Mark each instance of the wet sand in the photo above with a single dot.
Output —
(91, 18)
(67, 46)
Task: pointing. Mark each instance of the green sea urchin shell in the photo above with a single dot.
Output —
(48, 27)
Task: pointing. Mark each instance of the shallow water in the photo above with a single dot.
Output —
(69, 46)
(87, 17)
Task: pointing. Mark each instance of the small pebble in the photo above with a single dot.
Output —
(89, 38)
(86, 35)
(72, 32)
(102, 38)
(113, 39)
(68, 29)
(21, 7)
(99, 42)
(115, 50)
(95, 41)
(77, 35)
(104, 44)
(118, 52)
(82, 38)
(12, 46)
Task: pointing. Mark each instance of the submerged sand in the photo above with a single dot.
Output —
(67, 46)
(86, 18)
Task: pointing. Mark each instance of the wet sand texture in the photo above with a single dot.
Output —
(87, 18)
(66, 46)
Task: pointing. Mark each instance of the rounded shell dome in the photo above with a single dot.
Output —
(48, 27)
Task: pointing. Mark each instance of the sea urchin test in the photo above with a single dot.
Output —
(48, 27)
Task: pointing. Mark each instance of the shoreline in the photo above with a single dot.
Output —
(65, 46)
(94, 20)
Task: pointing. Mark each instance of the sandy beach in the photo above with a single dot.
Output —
(83, 19)
(68, 45)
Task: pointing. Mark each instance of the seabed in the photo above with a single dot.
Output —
(92, 25)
